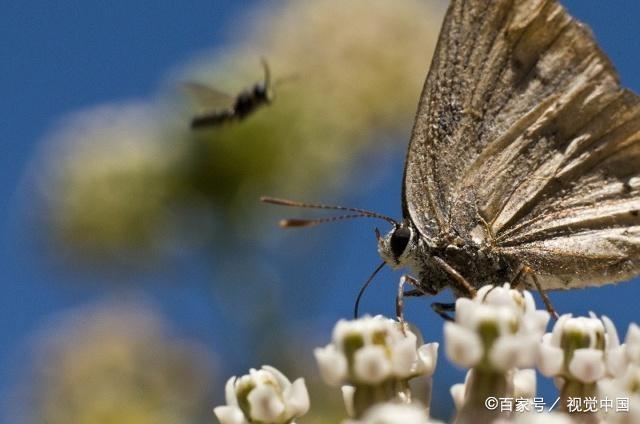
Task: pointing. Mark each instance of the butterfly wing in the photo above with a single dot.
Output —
(524, 134)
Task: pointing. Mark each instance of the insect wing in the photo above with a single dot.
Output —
(207, 99)
(523, 132)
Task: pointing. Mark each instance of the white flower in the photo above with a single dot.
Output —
(332, 364)
(371, 365)
(550, 357)
(626, 387)
(458, 391)
(587, 365)
(269, 397)
(347, 397)
(582, 348)
(394, 413)
(524, 383)
(427, 359)
(500, 327)
(632, 342)
(462, 345)
(371, 350)
(457, 394)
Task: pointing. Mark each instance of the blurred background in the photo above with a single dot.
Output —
(139, 270)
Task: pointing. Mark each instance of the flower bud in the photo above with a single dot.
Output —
(264, 396)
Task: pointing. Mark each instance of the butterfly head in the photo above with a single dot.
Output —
(396, 246)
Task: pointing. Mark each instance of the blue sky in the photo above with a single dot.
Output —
(58, 57)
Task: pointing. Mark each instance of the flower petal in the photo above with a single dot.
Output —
(332, 364)
(511, 351)
(347, 396)
(230, 392)
(550, 359)
(524, 383)
(462, 345)
(612, 334)
(457, 393)
(558, 328)
(632, 341)
(229, 415)
(265, 404)
(296, 397)
(282, 380)
(371, 365)
(428, 358)
(404, 357)
(616, 360)
(587, 365)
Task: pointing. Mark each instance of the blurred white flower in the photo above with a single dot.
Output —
(394, 413)
(117, 361)
(499, 328)
(458, 390)
(457, 394)
(370, 350)
(494, 334)
(462, 345)
(107, 179)
(371, 365)
(264, 396)
(524, 383)
(373, 358)
(625, 385)
(632, 342)
(332, 364)
(583, 349)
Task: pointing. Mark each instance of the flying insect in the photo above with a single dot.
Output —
(238, 108)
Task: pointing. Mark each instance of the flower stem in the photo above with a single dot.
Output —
(482, 384)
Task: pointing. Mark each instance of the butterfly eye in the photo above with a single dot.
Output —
(399, 241)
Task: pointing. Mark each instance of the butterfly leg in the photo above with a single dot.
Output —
(402, 293)
(463, 284)
(543, 294)
(413, 293)
(439, 308)
(442, 309)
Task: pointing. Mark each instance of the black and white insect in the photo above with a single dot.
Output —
(524, 160)
(222, 108)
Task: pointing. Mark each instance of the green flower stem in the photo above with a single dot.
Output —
(482, 384)
(577, 389)
(365, 395)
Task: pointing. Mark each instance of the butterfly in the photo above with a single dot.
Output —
(234, 108)
(524, 160)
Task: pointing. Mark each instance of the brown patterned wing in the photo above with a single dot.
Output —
(524, 131)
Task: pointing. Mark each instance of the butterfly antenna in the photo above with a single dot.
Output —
(357, 213)
(363, 289)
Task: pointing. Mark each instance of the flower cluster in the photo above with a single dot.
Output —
(264, 396)
(627, 382)
(494, 334)
(371, 350)
(373, 358)
(584, 349)
(499, 335)
(498, 329)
